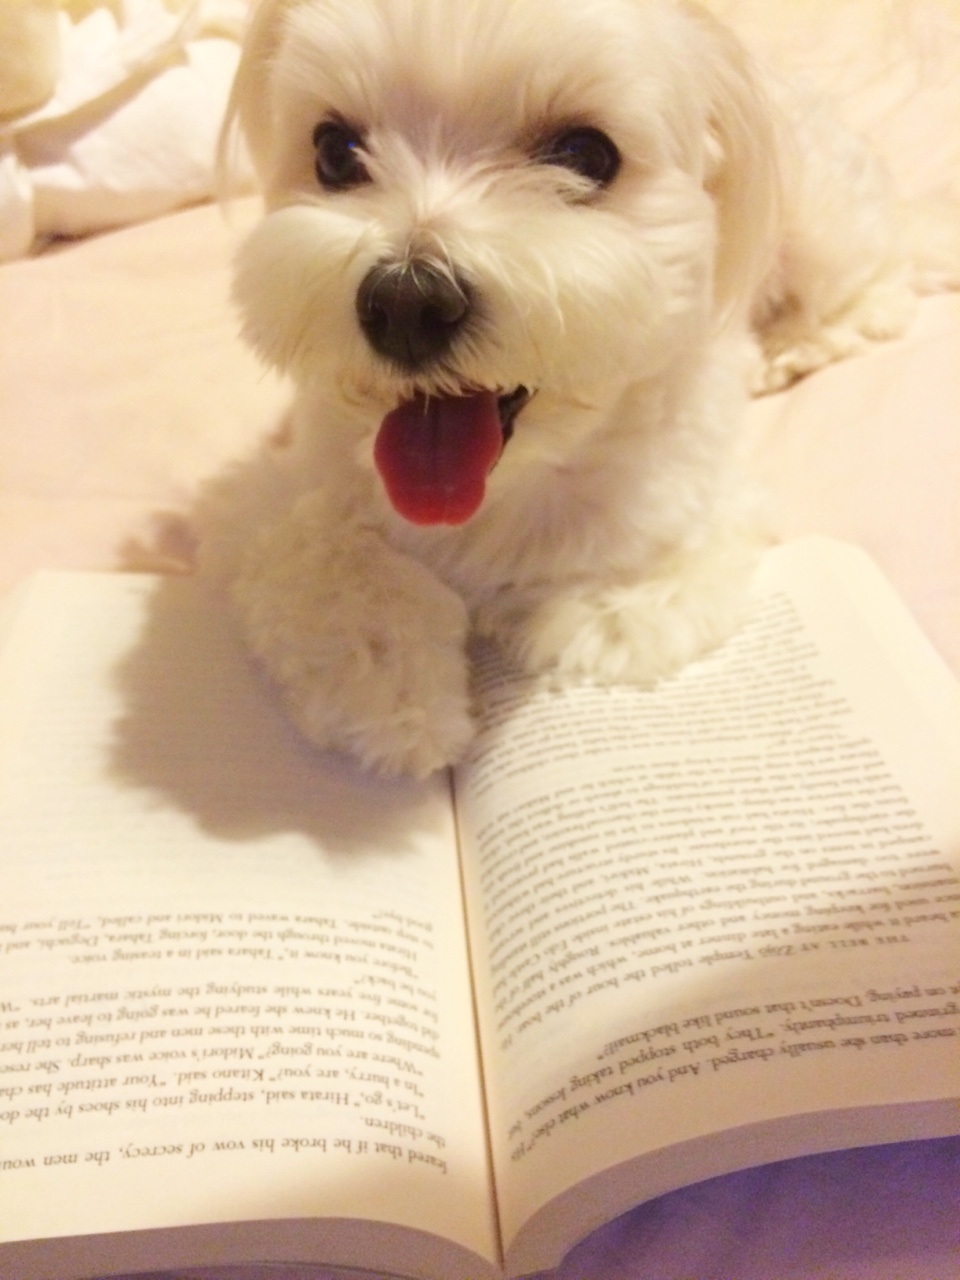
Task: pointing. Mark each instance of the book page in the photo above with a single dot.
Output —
(718, 922)
(234, 977)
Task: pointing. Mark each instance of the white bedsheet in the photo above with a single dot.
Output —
(129, 129)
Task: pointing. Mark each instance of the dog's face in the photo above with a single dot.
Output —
(487, 217)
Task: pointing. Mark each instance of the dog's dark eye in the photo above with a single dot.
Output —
(585, 151)
(338, 150)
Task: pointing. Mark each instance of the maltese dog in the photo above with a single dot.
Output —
(520, 260)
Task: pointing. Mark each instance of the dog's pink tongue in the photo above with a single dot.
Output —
(434, 455)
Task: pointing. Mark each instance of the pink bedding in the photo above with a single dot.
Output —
(122, 383)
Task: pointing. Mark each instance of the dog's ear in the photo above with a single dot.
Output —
(248, 112)
(742, 174)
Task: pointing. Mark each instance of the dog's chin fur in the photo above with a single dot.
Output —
(613, 541)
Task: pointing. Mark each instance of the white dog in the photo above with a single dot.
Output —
(511, 253)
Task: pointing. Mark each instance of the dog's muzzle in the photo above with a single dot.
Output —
(411, 311)
(433, 452)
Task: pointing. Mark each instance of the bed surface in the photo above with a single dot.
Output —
(123, 384)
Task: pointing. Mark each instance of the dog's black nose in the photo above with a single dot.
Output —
(411, 311)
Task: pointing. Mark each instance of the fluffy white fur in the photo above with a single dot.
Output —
(613, 541)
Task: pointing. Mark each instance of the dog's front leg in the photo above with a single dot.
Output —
(629, 632)
(365, 644)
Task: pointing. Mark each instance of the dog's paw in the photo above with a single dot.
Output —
(366, 646)
(794, 346)
(631, 634)
(398, 708)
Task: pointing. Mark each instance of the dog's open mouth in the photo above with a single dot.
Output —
(434, 453)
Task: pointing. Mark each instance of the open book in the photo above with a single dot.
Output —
(255, 1006)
